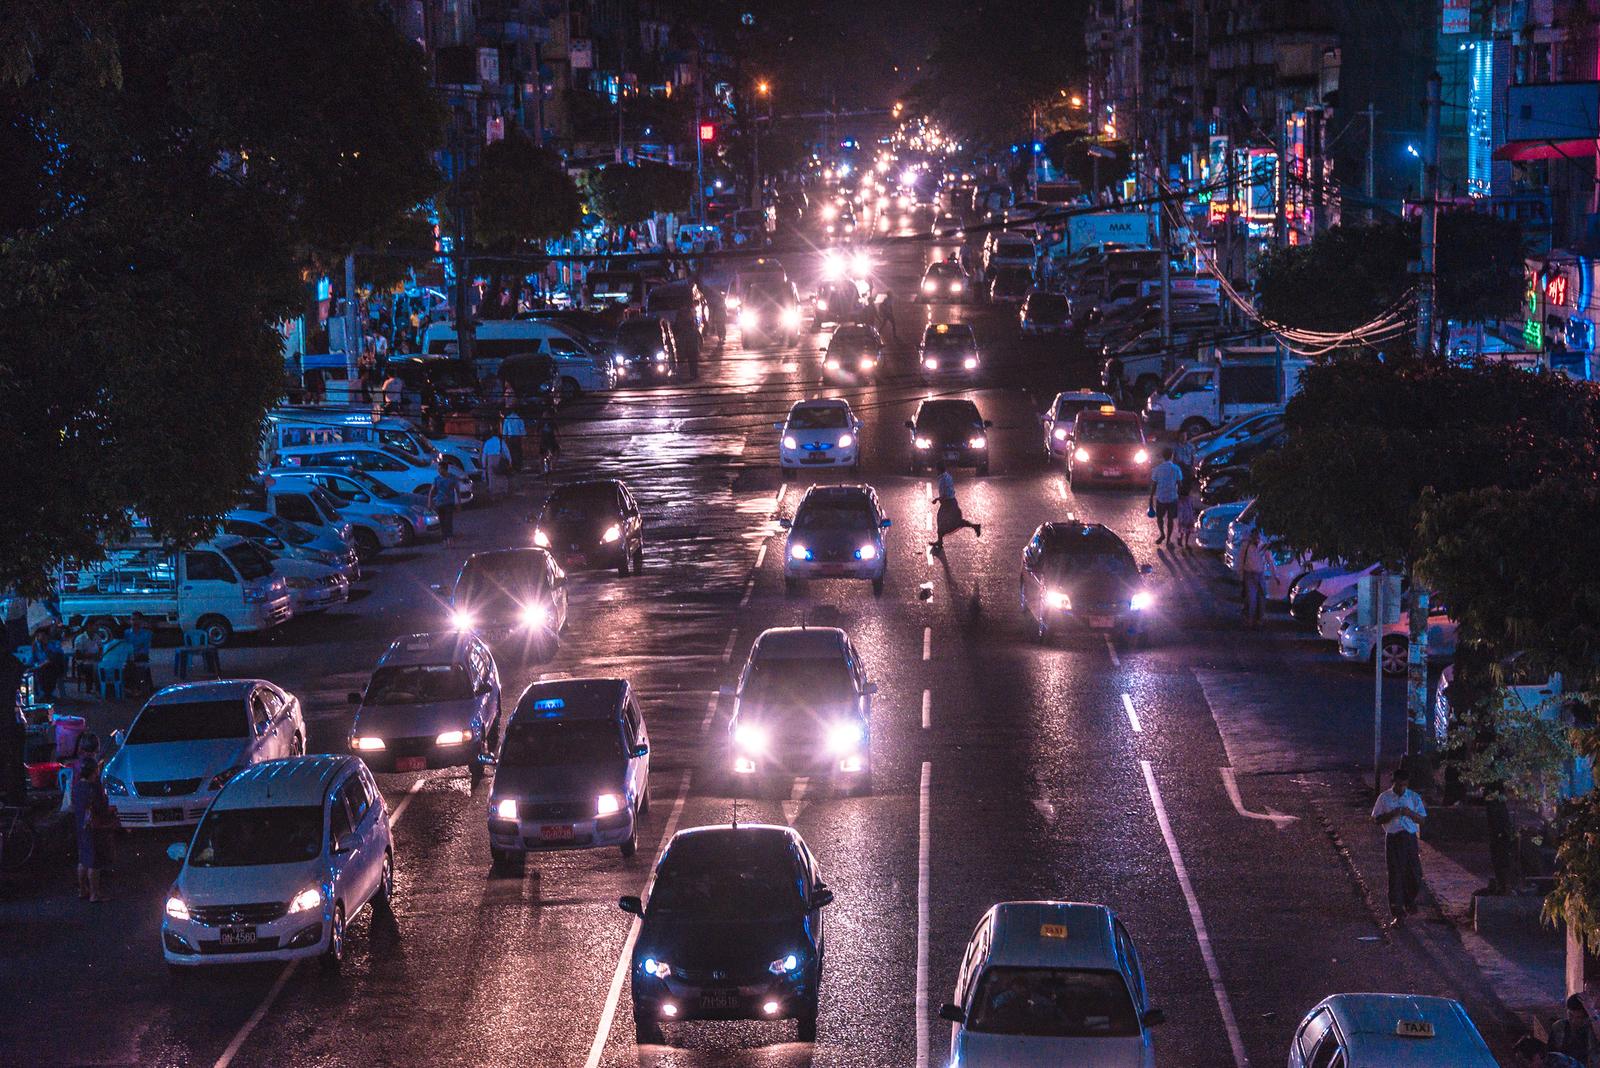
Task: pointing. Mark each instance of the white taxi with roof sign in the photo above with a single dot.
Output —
(1393, 1030)
(1047, 983)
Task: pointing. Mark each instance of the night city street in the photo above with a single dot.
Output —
(1198, 778)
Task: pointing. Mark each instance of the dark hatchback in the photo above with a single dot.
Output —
(592, 526)
(512, 594)
(733, 930)
(646, 349)
(1082, 574)
(951, 430)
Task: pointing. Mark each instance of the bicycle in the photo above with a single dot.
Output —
(19, 839)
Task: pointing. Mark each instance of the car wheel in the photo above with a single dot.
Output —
(570, 390)
(624, 566)
(367, 544)
(1305, 609)
(644, 801)
(505, 860)
(790, 586)
(638, 559)
(333, 956)
(383, 899)
(647, 1032)
(877, 587)
(1394, 654)
(218, 631)
(630, 847)
(806, 1028)
(475, 770)
(788, 473)
(1194, 426)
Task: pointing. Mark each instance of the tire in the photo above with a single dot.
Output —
(647, 1032)
(383, 899)
(1306, 608)
(475, 771)
(638, 559)
(877, 587)
(218, 631)
(367, 544)
(1194, 425)
(790, 586)
(806, 1023)
(333, 956)
(624, 568)
(788, 473)
(505, 860)
(1393, 654)
(630, 847)
(570, 390)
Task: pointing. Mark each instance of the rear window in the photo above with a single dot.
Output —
(190, 721)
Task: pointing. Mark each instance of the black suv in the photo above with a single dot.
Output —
(950, 430)
(733, 931)
(1082, 573)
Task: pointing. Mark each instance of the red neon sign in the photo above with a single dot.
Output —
(1555, 290)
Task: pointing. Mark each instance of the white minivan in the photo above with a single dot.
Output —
(313, 426)
(578, 369)
(285, 856)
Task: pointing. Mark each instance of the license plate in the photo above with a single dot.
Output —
(556, 832)
(719, 999)
(410, 763)
(1112, 472)
(166, 815)
(1101, 621)
(237, 936)
(815, 458)
(951, 454)
(577, 560)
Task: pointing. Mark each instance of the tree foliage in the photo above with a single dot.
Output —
(632, 192)
(174, 170)
(521, 193)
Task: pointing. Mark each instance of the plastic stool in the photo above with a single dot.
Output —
(194, 647)
(110, 681)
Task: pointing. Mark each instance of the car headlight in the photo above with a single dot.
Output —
(868, 363)
(868, 551)
(1057, 599)
(1141, 600)
(366, 743)
(613, 533)
(846, 440)
(977, 441)
(860, 264)
(452, 737)
(606, 804)
(541, 539)
(732, 302)
(620, 360)
(931, 364)
(844, 737)
(658, 968)
(506, 809)
(661, 356)
(1081, 455)
(784, 965)
(177, 908)
(220, 779)
(924, 443)
(970, 363)
(461, 619)
(930, 286)
(748, 318)
(789, 442)
(114, 786)
(305, 901)
(790, 317)
(750, 738)
(1060, 433)
(799, 552)
(832, 365)
(1141, 457)
(533, 615)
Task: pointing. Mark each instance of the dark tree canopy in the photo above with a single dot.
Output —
(632, 192)
(521, 193)
(175, 168)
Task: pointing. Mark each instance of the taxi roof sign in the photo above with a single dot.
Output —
(1413, 1028)
(942, 328)
(549, 703)
(1108, 409)
(1052, 930)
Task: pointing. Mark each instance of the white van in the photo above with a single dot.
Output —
(578, 369)
(222, 587)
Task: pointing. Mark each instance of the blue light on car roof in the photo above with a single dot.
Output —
(549, 703)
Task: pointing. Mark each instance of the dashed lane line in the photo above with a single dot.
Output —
(922, 915)
(1133, 717)
(927, 709)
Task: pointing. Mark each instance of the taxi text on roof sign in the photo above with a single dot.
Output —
(942, 328)
(1052, 930)
(1413, 1029)
(550, 702)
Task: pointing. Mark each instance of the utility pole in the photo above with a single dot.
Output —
(699, 143)
(1316, 130)
(352, 320)
(622, 87)
(1166, 238)
(465, 339)
(1372, 147)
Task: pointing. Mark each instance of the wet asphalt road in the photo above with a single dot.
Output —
(1088, 770)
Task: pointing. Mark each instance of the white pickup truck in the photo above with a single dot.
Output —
(1228, 383)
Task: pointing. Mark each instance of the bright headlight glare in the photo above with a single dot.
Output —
(799, 552)
(1082, 455)
(977, 441)
(748, 318)
(789, 442)
(1141, 600)
(658, 968)
(1057, 599)
(506, 809)
(461, 619)
(784, 965)
(606, 804)
(924, 443)
(368, 743)
(956, 287)
(1060, 433)
(971, 363)
(306, 900)
(733, 302)
(1141, 457)
(750, 738)
(541, 539)
(613, 533)
(868, 551)
(845, 441)
(844, 737)
(177, 908)
(930, 286)
(860, 263)
(931, 364)
(452, 737)
(533, 615)
(790, 317)
(868, 363)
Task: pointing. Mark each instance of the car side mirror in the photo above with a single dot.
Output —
(1145, 569)
(821, 897)
(786, 523)
(262, 727)
(640, 750)
(346, 844)
(631, 905)
(1154, 1017)
(777, 426)
(119, 737)
(953, 1013)
(178, 851)
(886, 524)
(910, 425)
(353, 698)
(987, 424)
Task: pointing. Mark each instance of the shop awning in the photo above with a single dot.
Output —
(1527, 151)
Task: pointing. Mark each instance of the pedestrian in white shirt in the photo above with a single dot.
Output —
(949, 519)
(1400, 812)
(1165, 478)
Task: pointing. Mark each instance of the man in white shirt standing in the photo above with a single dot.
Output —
(1400, 812)
(1165, 478)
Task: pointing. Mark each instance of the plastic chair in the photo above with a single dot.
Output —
(195, 647)
(109, 681)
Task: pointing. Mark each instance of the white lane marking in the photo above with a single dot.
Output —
(927, 643)
(260, 1013)
(927, 709)
(782, 489)
(1133, 717)
(922, 916)
(1111, 651)
(1231, 784)
(1225, 1006)
(761, 555)
(727, 650)
(256, 1017)
(711, 713)
(749, 591)
(609, 1013)
(796, 801)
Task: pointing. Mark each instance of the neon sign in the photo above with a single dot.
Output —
(1555, 290)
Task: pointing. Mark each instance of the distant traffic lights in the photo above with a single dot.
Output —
(708, 131)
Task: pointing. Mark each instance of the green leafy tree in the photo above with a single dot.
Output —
(520, 195)
(632, 192)
(175, 171)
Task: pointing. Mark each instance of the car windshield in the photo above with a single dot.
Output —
(1109, 432)
(828, 417)
(1068, 407)
(639, 338)
(668, 298)
(1052, 305)
(1065, 562)
(944, 270)
(418, 684)
(768, 293)
(582, 503)
(947, 419)
(776, 685)
(850, 514)
(532, 743)
(190, 721)
(293, 533)
(251, 562)
(1053, 1003)
(486, 582)
(242, 837)
(707, 879)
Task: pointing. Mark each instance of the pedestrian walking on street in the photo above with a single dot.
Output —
(96, 823)
(1188, 512)
(886, 324)
(1183, 454)
(1400, 812)
(514, 430)
(496, 459)
(1540, 1055)
(443, 496)
(392, 391)
(549, 443)
(1573, 1034)
(949, 519)
(1252, 578)
(1165, 479)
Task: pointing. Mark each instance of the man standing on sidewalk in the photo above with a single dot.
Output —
(1400, 812)
(514, 430)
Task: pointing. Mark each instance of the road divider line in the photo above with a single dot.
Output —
(927, 643)
(749, 591)
(927, 709)
(614, 995)
(782, 489)
(1111, 651)
(1133, 717)
(761, 555)
(1231, 784)
(400, 808)
(922, 915)
(711, 713)
(727, 650)
(1224, 1005)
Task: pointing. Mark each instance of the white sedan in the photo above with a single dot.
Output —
(819, 433)
(190, 739)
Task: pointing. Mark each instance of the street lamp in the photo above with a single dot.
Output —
(762, 88)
